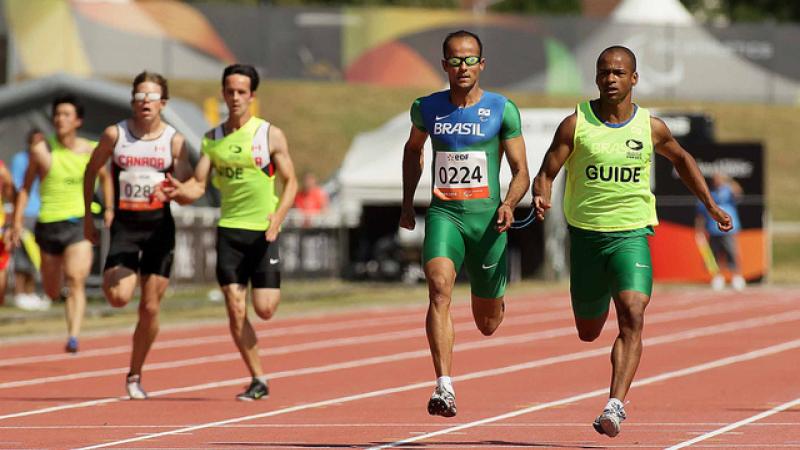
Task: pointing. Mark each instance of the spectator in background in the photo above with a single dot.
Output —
(26, 256)
(6, 194)
(311, 199)
(726, 192)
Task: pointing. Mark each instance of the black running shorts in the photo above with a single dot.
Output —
(55, 237)
(147, 247)
(245, 256)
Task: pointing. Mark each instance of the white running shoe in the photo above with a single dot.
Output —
(442, 403)
(738, 283)
(609, 422)
(133, 384)
(718, 282)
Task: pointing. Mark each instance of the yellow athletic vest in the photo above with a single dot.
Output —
(61, 190)
(243, 176)
(608, 173)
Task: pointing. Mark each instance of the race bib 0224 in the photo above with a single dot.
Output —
(460, 176)
(136, 189)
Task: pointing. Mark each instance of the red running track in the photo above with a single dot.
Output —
(718, 371)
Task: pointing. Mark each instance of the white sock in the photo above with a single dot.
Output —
(445, 383)
(615, 402)
(262, 378)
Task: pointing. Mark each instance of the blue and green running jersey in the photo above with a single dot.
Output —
(608, 173)
(466, 148)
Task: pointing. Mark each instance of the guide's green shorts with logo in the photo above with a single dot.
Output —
(470, 239)
(603, 264)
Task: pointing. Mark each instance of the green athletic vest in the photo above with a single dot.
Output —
(248, 193)
(608, 173)
(61, 190)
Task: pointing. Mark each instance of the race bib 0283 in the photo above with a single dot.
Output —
(136, 189)
(460, 176)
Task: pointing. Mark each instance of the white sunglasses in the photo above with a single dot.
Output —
(146, 96)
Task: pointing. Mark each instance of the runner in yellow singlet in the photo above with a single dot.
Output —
(246, 153)
(607, 146)
(59, 162)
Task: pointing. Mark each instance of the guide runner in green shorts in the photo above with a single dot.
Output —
(607, 146)
(470, 130)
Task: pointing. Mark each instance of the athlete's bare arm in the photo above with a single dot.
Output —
(279, 154)
(554, 160)
(186, 191)
(665, 145)
(413, 161)
(96, 165)
(180, 154)
(8, 184)
(514, 149)
(38, 164)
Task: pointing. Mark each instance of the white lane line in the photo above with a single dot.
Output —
(643, 425)
(767, 351)
(517, 339)
(282, 350)
(332, 343)
(462, 311)
(735, 425)
(486, 373)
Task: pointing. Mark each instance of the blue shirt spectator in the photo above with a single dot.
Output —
(725, 196)
(19, 164)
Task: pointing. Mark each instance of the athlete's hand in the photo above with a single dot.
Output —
(12, 235)
(108, 217)
(90, 231)
(169, 189)
(723, 219)
(505, 216)
(408, 218)
(274, 228)
(540, 206)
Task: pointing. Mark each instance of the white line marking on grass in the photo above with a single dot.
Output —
(360, 340)
(738, 424)
(488, 373)
(767, 351)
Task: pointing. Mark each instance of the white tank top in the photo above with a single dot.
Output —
(139, 166)
(260, 144)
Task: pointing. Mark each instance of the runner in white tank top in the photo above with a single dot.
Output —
(142, 149)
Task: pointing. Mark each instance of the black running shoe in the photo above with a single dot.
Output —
(442, 403)
(257, 390)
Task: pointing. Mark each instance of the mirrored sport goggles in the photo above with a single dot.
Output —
(455, 61)
(146, 96)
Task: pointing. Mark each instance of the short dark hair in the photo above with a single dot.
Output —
(461, 34)
(619, 48)
(72, 100)
(152, 77)
(242, 69)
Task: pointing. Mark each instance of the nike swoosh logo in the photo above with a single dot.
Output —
(443, 117)
(642, 266)
(485, 267)
(274, 261)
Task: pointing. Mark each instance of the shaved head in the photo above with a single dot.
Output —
(619, 49)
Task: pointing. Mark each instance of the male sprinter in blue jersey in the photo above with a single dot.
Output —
(607, 145)
(470, 130)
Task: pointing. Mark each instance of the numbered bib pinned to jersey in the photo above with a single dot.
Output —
(460, 176)
(136, 189)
